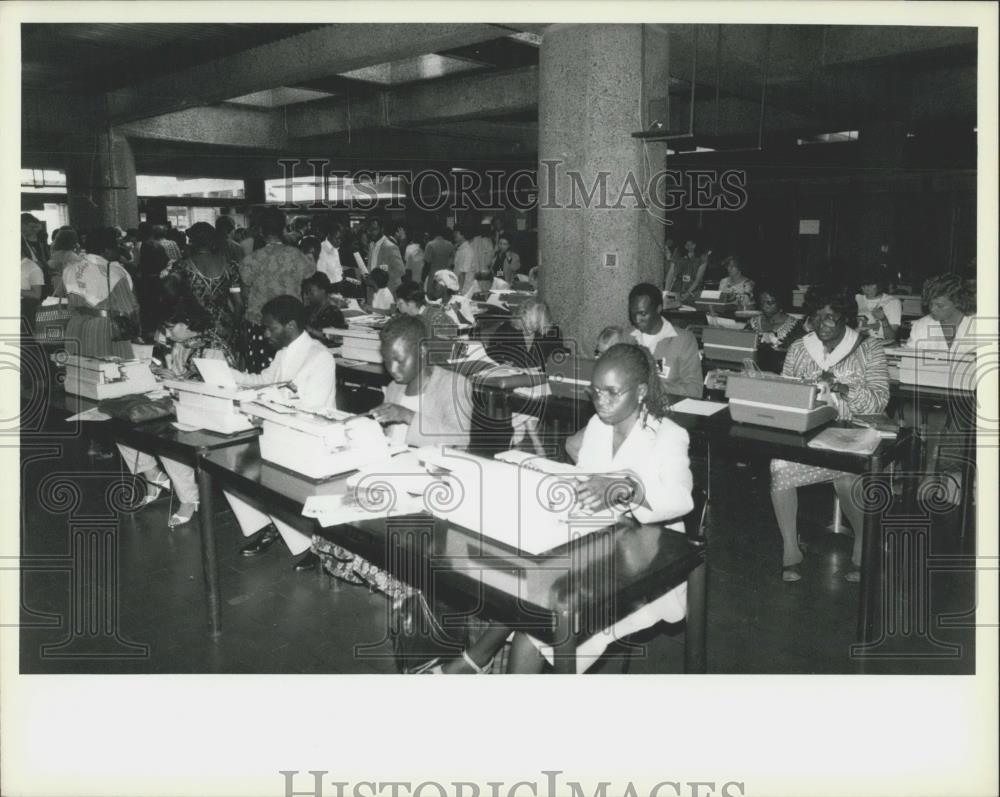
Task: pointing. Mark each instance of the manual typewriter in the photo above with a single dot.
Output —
(778, 402)
(101, 378)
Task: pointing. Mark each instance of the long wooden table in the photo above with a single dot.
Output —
(561, 597)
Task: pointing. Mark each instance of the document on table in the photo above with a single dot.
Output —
(697, 407)
(848, 441)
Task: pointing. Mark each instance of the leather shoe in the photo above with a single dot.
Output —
(307, 561)
(261, 541)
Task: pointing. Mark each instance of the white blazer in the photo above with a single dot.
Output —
(656, 453)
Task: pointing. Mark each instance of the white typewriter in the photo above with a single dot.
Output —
(932, 368)
(317, 445)
(215, 403)
(777, 402)
(522, 507)
(101, 378)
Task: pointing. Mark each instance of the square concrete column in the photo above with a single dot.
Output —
(596, 240)
(100, 182)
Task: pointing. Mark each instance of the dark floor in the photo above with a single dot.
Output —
(147, 613)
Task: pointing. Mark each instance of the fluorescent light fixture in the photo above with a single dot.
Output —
(527, 38)
(279, 97)
(830, 138)
(408, 70)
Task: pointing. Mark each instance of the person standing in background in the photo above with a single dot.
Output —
(225, 228)
(329, 253)
(465, 262)
(687, 272)
(439, 254)
(413, 253)
(483, 248)
(506, 262)
(383, 253)
(275, 270)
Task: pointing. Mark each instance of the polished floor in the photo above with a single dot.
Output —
(118, 592)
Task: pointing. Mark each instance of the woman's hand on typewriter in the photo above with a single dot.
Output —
(595, 493)
(392, 413)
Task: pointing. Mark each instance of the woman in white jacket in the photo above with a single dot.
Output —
(634, 463)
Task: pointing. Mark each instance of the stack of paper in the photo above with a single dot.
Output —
(847, 441)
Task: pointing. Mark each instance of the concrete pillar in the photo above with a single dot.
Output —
(100, 182)
(590, 102)
(254, 190)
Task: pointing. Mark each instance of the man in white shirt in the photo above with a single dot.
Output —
(465, 262)
(309, 368)
(329, 254)
(413, 255)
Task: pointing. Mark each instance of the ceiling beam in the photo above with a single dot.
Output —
(216, 125)
(330, 50)
(466, 97)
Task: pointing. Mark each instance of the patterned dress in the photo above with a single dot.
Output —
(865, 373)
(272, 271)
(771, 355)
(212, 293)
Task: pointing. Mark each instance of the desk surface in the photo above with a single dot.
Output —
(158, 435)
(603, 575)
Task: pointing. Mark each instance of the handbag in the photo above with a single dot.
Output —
(51, 321)
(123, 327)
(137, 409)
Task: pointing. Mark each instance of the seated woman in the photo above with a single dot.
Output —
(410, 300)
(427, 405)
(879, 314)
(777, 329)
(628, 441)
(735, 287)
(947, 328)
(321, 312)
(486, 282)
(854, 369)
(443, 292)
(382, 298)
(528, 340)
(506, 262)
(611, 336)
(189, 331)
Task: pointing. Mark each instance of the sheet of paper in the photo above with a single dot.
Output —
(697, 407)
(93, 414)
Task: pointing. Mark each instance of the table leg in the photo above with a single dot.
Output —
(694, 633)
(872, 563)
(206, 524)
(564, 650)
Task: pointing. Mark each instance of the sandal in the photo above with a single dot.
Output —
(791, 573)
(178, 519)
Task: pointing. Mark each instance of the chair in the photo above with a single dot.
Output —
(694, 641)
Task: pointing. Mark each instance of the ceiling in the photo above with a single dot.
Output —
(808, 80)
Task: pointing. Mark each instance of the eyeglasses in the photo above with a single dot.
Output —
(611, 393)
(826, 318)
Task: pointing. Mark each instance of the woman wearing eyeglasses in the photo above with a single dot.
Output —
(637, 466)
(853, 370)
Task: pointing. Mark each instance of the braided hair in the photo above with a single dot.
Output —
(638, 363)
